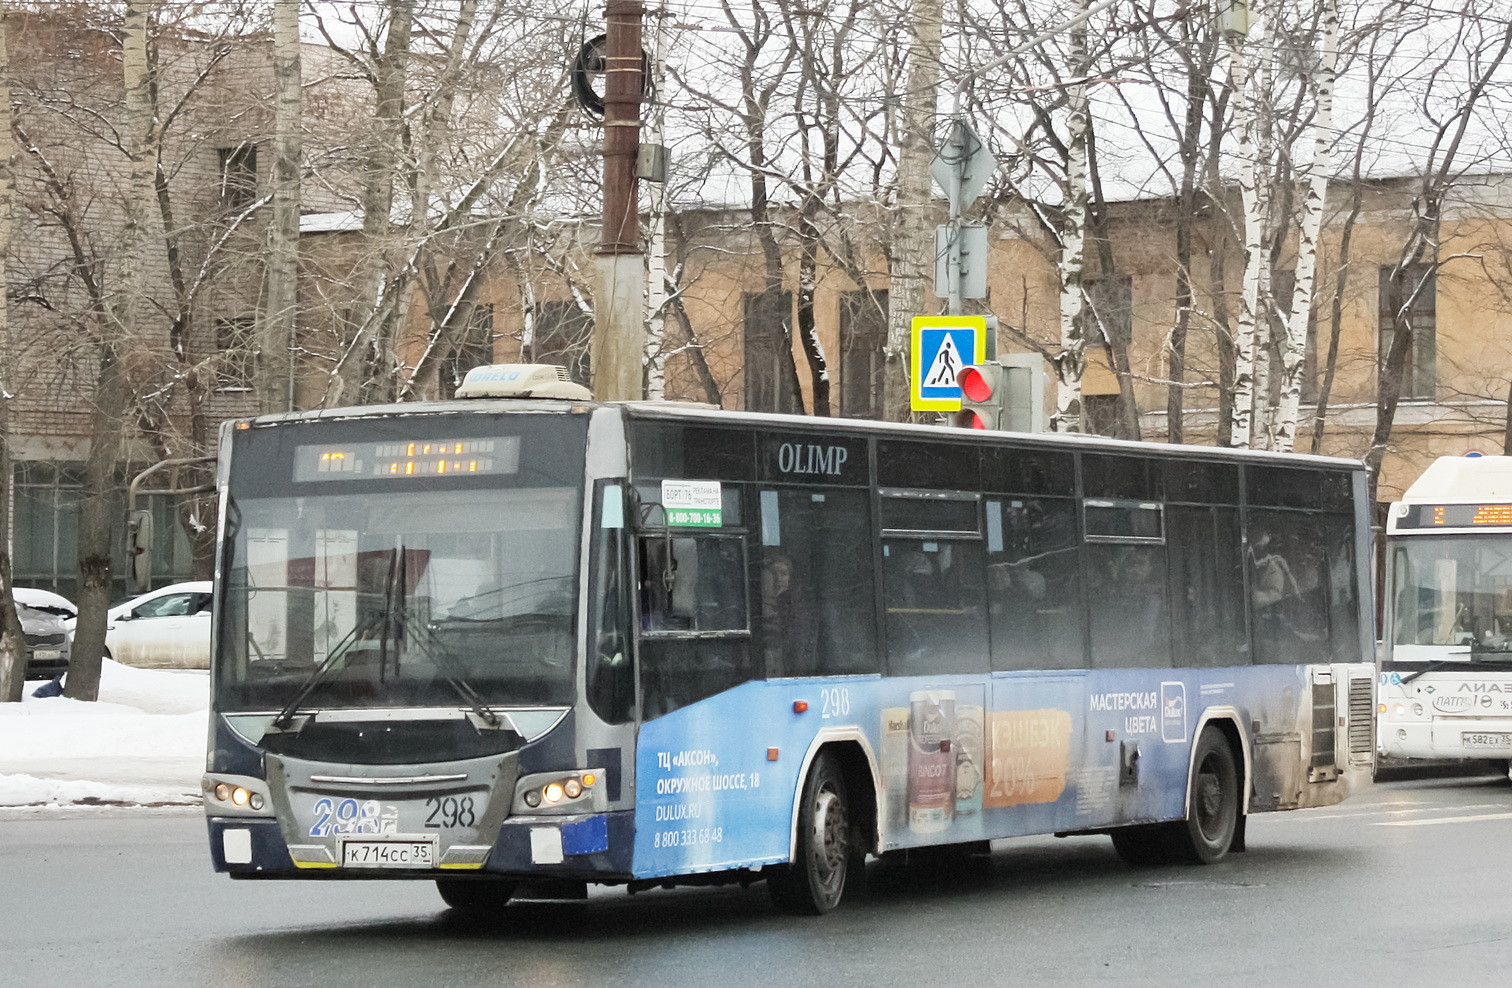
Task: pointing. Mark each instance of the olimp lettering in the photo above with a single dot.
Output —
(808, 458)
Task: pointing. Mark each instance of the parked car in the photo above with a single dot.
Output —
(46, 620)
(166, 628)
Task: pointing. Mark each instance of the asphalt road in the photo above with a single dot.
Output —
(1406, 885)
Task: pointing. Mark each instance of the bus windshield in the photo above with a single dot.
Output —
(401, 593)
(1453, 591)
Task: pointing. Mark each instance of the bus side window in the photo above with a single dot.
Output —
(611, 677)
(695, 641)
(1301, 587)
(692, 584)
(1034, 589)
(817, 599)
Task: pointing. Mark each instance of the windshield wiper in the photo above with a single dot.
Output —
(286, 715)
(435, 650)
(1475, 649)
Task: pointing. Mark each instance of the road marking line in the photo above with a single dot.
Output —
(1364, 812)
(1443, 819)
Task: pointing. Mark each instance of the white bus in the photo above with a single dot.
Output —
(1446, 668)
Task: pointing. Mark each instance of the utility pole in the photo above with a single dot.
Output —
(618, 305)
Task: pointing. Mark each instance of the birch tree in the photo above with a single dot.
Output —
(912, 238)
(1320, 170)
(1071, 362)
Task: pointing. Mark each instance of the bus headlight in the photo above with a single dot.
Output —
(1417, 710)
(570, 791)
(1399, 710)
(235, 795)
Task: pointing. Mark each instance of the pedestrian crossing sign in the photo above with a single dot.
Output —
(941, 346)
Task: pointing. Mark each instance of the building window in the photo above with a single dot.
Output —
(236, 340)
(1408, 297)
(238, 176)
(562, 334)
(473, 348)
(768, 321)
(1111, 307)
(863, 339)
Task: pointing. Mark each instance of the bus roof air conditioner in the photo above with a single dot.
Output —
(522, 381)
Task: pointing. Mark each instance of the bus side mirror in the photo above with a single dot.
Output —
(139, 550)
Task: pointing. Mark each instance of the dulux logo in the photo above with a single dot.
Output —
(1173, 723)
(808, 458)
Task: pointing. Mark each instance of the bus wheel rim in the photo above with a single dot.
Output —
(829, 837)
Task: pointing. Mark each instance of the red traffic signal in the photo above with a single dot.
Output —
(982, 397)
(974, 385)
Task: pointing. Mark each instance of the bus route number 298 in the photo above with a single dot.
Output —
(835, 702)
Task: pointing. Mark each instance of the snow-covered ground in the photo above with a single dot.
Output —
(141, 744)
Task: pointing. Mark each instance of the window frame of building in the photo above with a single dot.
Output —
(863, 361)
(237, 168)
(1417, 283)
(473, 347)
(768, 339)
(236, 345)
(561, 334)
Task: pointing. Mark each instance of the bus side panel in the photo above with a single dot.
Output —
(717, 781)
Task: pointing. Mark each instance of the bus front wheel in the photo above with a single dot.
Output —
(475, 896)
(815, 880)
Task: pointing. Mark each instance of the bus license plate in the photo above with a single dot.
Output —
(388, 854)
(1486, 740)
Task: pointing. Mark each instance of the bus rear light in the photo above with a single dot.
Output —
(800, 706)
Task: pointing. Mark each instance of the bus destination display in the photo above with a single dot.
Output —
(1456, 515)
(436, 458)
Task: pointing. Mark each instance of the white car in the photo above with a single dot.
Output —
(167, 628)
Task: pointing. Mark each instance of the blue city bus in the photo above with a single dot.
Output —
(519, 646)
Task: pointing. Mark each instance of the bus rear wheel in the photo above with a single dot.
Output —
(1213, 805)
(814, 882)
(476, 896)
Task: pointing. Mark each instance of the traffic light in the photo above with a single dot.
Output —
(984, 397)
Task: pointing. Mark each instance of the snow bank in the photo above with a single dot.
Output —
(142, 744)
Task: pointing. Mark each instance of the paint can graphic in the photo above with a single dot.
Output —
(969, 759)
(894, 769)
(931, 760)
